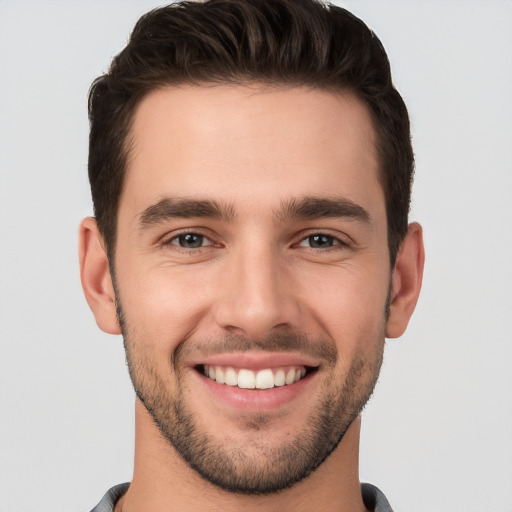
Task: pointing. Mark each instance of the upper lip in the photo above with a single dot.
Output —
(257, 360)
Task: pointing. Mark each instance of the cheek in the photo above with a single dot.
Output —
(163, 305)
(350, 307)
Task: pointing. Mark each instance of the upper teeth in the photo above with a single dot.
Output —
(249, 379)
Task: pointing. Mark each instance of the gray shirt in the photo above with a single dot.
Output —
(374, 499)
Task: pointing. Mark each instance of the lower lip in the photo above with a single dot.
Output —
(256, 399)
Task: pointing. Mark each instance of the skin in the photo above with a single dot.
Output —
(254, 151)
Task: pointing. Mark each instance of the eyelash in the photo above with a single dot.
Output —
(337, 243)
(174, 241)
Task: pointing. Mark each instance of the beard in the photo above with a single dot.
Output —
(254, 466)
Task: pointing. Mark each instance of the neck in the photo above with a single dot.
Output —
(163, 482)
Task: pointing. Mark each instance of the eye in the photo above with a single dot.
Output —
(190, 240)
(319, 241)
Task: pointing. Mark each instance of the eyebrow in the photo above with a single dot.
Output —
(321, 207)
(184, 208)
(303, 208)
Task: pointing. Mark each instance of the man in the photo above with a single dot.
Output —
(250, 167)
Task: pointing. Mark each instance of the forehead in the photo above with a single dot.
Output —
(250, 143)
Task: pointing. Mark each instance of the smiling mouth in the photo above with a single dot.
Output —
(244, 378)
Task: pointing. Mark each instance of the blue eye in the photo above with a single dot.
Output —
(320, 241)
(189, 240)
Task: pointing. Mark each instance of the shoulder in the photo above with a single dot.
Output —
(374, 499)
(111, 497)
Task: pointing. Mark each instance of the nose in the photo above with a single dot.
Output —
(258, 296)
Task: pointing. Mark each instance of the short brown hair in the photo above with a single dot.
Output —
(278, 42)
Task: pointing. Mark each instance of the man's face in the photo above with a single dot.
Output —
(252, 276)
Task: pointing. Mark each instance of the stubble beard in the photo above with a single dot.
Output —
(255, 467)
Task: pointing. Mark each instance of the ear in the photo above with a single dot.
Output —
(406, 281)
(96, 278)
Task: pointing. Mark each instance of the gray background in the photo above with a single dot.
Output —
(438, 433)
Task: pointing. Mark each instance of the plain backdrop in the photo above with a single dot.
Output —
(437, 435)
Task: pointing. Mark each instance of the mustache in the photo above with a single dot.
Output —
(322, 349)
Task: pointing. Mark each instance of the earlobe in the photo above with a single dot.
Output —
(406, 281)
(96, 278)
